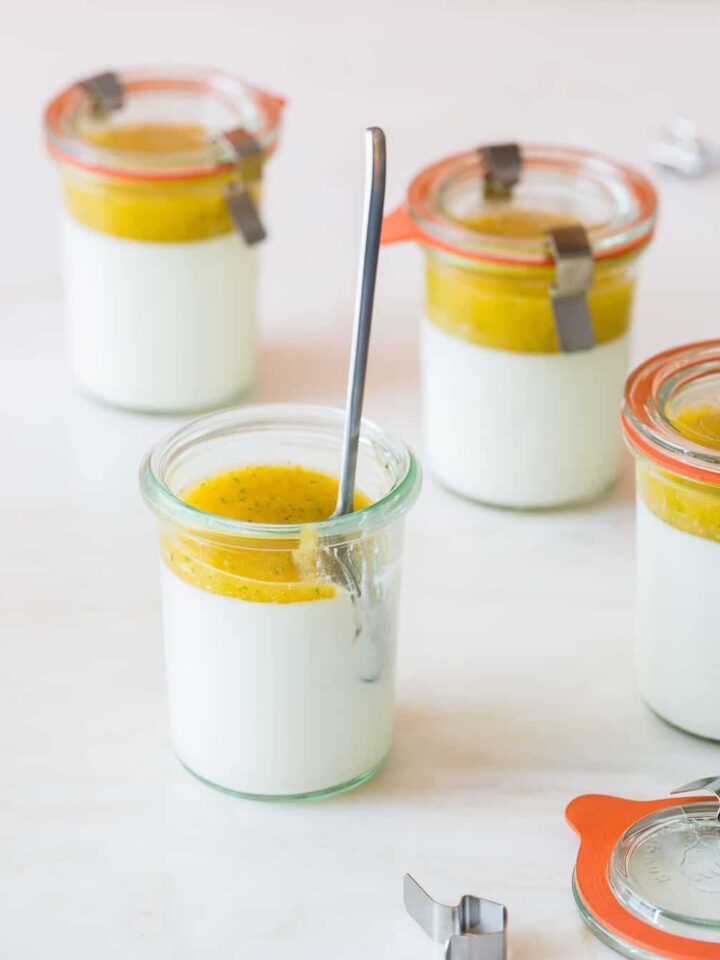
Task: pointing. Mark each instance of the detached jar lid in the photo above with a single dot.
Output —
(161, 124)
(497, 204)
(671, 413)
(647, 876)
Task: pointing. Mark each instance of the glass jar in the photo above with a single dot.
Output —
(160, 282)
(280, 638)
(671, 419)
(516, 415)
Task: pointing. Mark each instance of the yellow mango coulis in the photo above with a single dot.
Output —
(160, 211)
(150, 138)
(514, 222)
(699, 423)
(685, 504)
(506, 306)
(278, 571)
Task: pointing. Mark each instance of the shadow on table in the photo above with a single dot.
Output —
(434, 752)
(536, 943)
(506, 745)
(438, 750)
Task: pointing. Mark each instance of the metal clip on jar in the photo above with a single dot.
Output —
(671, 420)
(161, 175)
(530, 257)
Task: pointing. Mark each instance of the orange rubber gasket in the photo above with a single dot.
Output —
(270, 105)
(399, 227)
(600, 821)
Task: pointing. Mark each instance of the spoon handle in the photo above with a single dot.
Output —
(375, 166)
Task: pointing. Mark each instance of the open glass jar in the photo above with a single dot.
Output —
(280, 637)
(671, 419)
(529, 288)
(160, 174)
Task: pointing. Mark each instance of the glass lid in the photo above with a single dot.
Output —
(671, 412)
(665, 869)
(452, 207)
(647, 875)
(165, 124)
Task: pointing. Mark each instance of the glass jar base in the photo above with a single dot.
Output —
(606, 936)
(344, 787)
(569, 503)
(687, 729)
(233, 399)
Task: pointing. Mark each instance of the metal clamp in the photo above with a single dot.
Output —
(572, 254)
(682, 150)
(240, 204)
(105, 91)
(503, 166)
(475, 929)
(244, 147)
(711, 784)
(244, 214)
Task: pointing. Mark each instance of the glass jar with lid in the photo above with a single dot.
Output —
(280, 621)
(530, 258)
(160, 172)
(671, 419)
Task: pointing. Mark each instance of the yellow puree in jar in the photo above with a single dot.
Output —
(507, 307)
(685, 504)
(161, 211)
(278, 571)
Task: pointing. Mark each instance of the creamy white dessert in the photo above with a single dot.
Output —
(160, 326)
(280, 678)
(273, 699)
(161, 286)
(521, 429)
(678, 553)
(510, 419)
(678, 648)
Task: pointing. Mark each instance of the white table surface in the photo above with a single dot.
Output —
(516, 689)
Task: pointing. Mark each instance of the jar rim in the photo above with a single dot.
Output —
(72, 105)
(649, 390)
(629, 889)
(633, 196)
(166, 504)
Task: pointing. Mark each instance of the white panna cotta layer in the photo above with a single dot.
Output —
(160, 326)
(274, 699)
(678, 631)
(522, 429)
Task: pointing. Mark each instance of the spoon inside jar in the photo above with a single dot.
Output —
(350, 563)
(375, 167)
(338, 562)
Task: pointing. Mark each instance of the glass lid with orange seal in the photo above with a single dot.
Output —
(647, 875)
(161, 124)
(497, 204)
(671, 413)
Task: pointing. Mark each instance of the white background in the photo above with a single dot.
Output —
(515, 689)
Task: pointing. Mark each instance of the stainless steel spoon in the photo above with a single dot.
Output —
(375, 167)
